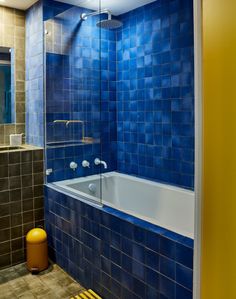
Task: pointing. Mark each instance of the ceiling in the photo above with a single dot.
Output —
(116, 6)
(19, 4)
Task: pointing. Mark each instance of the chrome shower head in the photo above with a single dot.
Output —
(109, 24)
(106, 24)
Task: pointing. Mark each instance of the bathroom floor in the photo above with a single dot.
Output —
(17, 282)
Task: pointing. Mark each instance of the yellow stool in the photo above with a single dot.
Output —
(37, 250)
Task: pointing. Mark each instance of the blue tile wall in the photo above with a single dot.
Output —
(146, 122)
(117, 255)
(134, 87)
(155, 92)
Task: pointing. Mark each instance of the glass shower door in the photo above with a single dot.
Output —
(73, 99)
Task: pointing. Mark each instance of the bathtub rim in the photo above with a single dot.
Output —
(128, 176)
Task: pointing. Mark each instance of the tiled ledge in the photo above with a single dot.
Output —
(23, 147)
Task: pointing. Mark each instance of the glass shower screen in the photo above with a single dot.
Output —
(73, 99)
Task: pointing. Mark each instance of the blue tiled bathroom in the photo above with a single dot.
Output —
(110, 103)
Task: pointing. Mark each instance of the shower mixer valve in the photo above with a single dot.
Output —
(86, 163)
(73, 165)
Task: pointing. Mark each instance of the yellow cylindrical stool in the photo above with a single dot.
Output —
(37, 250)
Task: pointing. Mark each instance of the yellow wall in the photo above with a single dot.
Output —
(219, 174)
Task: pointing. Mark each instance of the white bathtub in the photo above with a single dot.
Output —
(167, 206)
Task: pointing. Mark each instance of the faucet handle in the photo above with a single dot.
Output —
(86, 163)
(49, 171)
(73, 165)
(97, 161)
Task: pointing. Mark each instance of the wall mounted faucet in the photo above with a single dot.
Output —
(86, 163)
(73, 165)
(49, 171)
(97, 161)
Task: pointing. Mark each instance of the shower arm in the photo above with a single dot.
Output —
(84, 16)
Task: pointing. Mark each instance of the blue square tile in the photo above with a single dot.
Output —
(152, 259)
(115, 240)
(139, 288)
(152, 241)
(127, 246)
(167, 267)
(167, 287)
(116, 256)
(115, 272)
(152, 278)
(126, 263)
(127, 294)
(139, 234)
(184, 276)
(184, 255)
(106, 280)
(127, 280)
(138, 270)
(152, 293)
(106, 265)
(116, 288)
(182, 293)
(167, 247)
(188, 242)
(138, 252)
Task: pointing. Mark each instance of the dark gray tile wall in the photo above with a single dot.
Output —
(21, 201)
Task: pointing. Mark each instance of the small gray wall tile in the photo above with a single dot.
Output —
(21, 202)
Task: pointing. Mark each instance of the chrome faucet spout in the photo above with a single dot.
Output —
(97, 161)
(104, 164)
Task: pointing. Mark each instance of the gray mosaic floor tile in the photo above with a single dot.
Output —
(54, 283)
